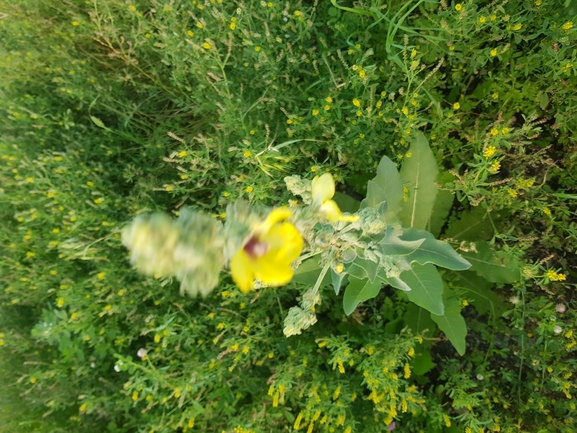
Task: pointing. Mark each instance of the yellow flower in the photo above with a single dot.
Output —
(483, 19)
(458, 7)
(493, 52)
(269, 252)
(323, 190)
(456, 106)
(489, 151)
(567, 26)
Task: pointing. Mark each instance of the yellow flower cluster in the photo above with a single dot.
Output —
(489, 152)
(554, 276)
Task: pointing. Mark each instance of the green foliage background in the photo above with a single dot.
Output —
(112, 108)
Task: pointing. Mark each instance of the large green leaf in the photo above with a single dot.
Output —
(426, 287)
(496, 268)
(308, 273)
(359, 291)
(362, 268)
(442, 206)
(478, 291)
(433, 251)
(418, 320)
(346, 202)
(418, 174)
(453, 324)
(472, 225)
(392, 245)
(386, 186)
(397, 283)
(422, 363)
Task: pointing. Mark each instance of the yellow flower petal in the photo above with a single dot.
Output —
(242, 271)
(284, 242)
(273, 274)
(330, 210)
(275, 216)
(323, 188)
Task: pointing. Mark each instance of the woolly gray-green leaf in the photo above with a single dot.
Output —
(359, 291)
(386, 186)
(433, 251)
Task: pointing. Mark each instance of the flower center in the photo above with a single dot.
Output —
(255, 248)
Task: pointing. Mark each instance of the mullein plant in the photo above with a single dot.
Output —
(258, 245)
(383, 243)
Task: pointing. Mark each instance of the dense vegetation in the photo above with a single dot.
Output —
(114, 108)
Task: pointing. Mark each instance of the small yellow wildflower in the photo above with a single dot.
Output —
(407, 371)
(190, 33)
(182, 154)
(101, 275)
(517, 27)
(206, 46)
(60, 302)
(83, 407)
(132, 8)
(30, 254)
(356, 102)
(316, 112)
(493, 17)
(494, 132)
(405, 111)
(489, 152)
(99, 200)
(554, 276)
(513, 192)
(495, 166)
(459, 7)
(483, 19)
(547, 211)
(493, 52)
(567, 26)
(456, 106)
(329, 99)
(249, 189)
(232, 26)
(327, 107)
